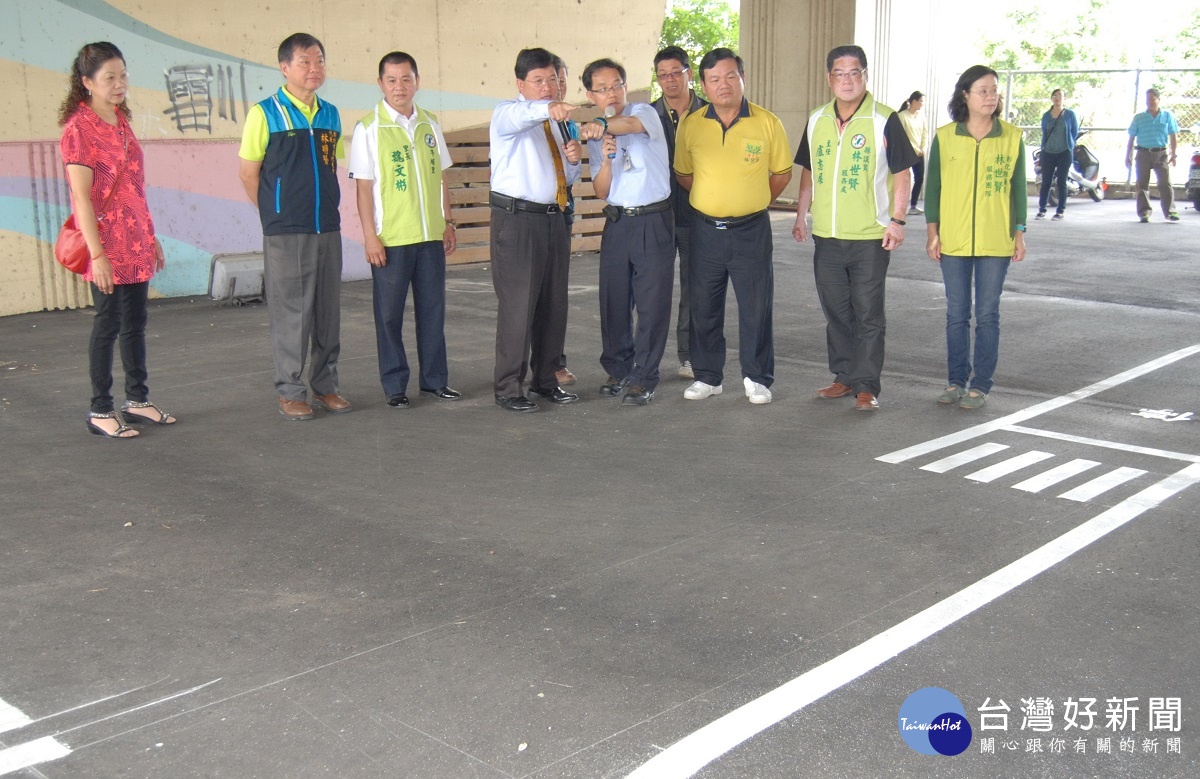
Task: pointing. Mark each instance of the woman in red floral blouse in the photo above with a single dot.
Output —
(101, 155)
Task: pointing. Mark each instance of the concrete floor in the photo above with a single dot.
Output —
(458, 591)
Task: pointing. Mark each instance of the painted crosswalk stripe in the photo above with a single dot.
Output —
(1102, 484)
(692, 752)
(1055, 475)
(25, 755)
(962, 458)
(1011, 465)
(11, 717)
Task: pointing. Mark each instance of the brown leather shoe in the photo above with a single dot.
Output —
(564, 377)
(333, 403)
(835, 390)
(295, 409)
(866, 402)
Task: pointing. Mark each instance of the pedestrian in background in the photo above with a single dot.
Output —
(1060, 129)
(1156, 134)
(918, 135)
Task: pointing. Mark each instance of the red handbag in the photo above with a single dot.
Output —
(71, 249)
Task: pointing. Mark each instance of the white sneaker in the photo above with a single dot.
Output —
(699, 390)
(757, 393)
(685, 370)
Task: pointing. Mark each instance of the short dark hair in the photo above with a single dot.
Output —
(958, 103)
(599, 64)
(848, 50)
(673, 53)
(711, 59)
(559, 64)
(533, 59)
(296, 41)
(1155, 92)
(398, 58)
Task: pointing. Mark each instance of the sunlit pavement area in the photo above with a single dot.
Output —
(454, 590)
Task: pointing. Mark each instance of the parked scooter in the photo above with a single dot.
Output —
(1193, 184)
(1082, 176)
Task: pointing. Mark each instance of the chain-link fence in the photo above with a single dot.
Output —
(1105, 102)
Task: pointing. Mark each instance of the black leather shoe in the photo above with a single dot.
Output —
(444, 393)
(519, 404)
(614, 387)
(637, 396)
(398, 401)
(556, 395)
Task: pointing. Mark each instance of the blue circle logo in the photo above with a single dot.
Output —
(933, 722)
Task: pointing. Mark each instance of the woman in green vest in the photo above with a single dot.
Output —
(975, 209)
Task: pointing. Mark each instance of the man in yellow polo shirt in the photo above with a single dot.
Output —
(290, 147)
(733, 158)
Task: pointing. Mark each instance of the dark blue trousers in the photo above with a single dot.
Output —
(741, 255)
(637, 273)
(423, 267)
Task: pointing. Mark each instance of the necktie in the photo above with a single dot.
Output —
(561, 195)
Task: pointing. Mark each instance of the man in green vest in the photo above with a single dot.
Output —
(855, 161)
(397, 156)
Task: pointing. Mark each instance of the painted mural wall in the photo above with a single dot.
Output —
(196, 67)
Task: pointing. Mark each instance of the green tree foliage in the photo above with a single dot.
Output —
(699, 26)
(1034, 36)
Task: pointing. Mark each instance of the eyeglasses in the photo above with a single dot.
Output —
(985, 92)
(542, 82)
(674, 74)
(606, 90)
(842, 75)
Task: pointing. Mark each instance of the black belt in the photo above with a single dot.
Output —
(733, 221)
(653, 208)
(510, 204)
(1149, 148)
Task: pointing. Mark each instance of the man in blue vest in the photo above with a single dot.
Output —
(397, 157)
(289, 152)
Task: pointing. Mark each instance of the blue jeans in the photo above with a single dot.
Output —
(988, 273)
(1054, 166)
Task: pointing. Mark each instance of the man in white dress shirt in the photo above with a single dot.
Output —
(627, 150)
(532, 165)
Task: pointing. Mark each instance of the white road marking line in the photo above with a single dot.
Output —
(1102, 484)
(1011, 465)
(962, 458)
(142, 706)
(691, 753)
(1077, 439)
(25, 755)
(11, 717)
(1037, 410)
(1055, 475)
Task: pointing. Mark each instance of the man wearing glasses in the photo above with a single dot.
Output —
(532, 166)
(858, 205)
(674, 76)
(627, 151)
(732, 158)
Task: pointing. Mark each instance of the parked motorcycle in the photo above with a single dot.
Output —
(1193, 184)
(1082, 176)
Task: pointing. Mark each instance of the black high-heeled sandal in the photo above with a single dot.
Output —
(135, 418)
(122, 430)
